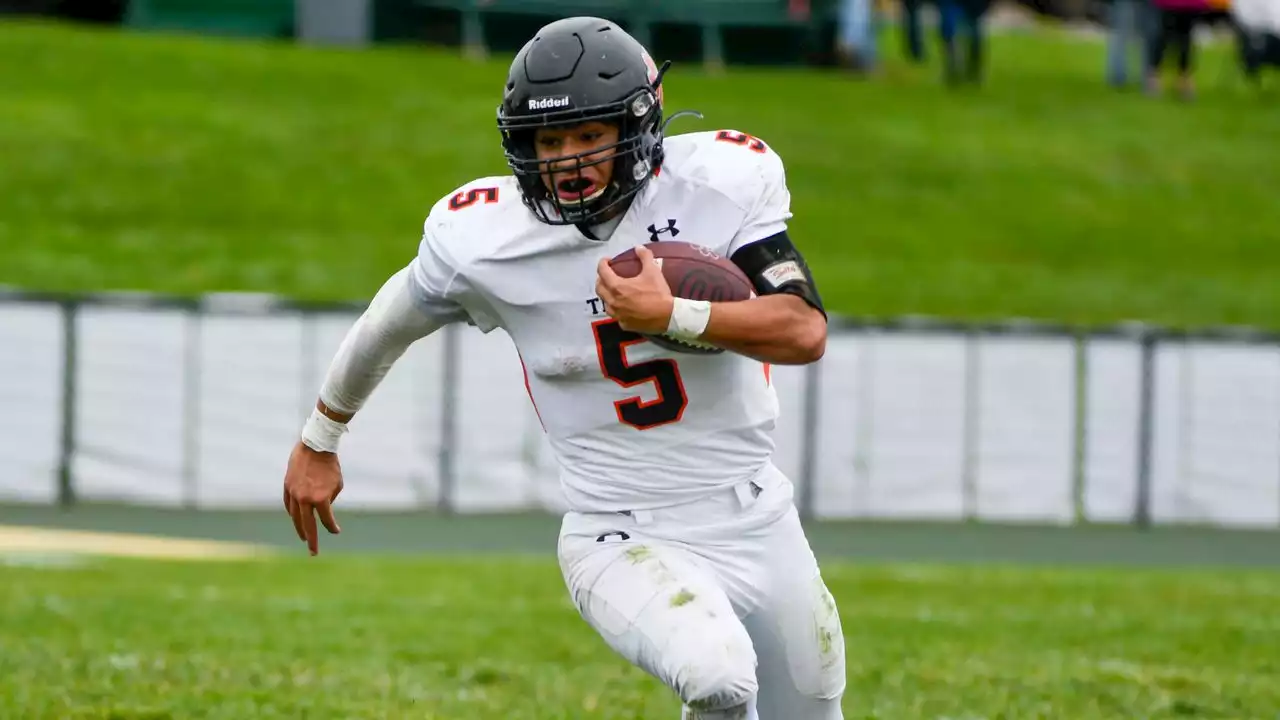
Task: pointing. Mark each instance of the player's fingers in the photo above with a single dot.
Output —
(605, 293)
(327, 518)
(650, 267)
(309, 531)
(647, 261)
(295, 514)
(605, 273)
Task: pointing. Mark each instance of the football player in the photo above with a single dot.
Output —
(682, 546)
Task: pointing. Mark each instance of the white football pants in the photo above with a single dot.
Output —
(721, 599)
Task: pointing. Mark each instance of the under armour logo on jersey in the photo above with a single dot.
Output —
(655, 231)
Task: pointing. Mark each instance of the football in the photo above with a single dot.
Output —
(692, 272)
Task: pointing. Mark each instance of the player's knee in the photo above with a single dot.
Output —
(720, 694)
(719, 678)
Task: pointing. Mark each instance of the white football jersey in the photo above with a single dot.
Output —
(632, 425)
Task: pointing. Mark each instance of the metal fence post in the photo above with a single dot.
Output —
(972, 424)
(1080, 429)
(1146, 422)
(191, 368)
(70, 361)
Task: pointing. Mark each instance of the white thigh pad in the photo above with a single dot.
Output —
(655, 605)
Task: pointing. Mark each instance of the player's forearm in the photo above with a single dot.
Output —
(373, 344)
(780, 329)
(362, 361)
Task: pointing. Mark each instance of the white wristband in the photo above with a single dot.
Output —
(322, 433)
(689, 318)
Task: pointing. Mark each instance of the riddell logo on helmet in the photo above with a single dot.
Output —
(550, 103)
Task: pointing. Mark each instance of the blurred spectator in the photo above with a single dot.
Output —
(856, 42)
(1257, 26)
(963, 22)
(911, 37)
(1174, 26)
(1130, 26)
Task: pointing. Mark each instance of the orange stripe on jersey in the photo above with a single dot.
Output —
(529, 390)
(768, 374)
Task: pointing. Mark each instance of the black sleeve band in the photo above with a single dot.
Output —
(776, 266)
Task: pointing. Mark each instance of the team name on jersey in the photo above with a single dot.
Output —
(595, 307)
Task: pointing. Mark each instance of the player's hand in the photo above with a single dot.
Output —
(640, 304)
(311, 484)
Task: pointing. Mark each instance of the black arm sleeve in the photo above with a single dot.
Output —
(776, 266)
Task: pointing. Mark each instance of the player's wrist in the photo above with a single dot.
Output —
(322, 433)
(689, 318)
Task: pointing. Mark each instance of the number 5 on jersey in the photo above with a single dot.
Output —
(611, 346)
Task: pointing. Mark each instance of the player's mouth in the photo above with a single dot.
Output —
(578, 190)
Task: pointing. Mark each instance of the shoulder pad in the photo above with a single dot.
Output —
(738, 165)
(468, 216)
(487, 195)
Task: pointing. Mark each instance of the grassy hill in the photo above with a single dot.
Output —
(187, 165)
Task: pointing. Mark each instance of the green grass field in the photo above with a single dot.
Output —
(189, 165)
(368, 637)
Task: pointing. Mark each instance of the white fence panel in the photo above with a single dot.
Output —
(1025, 434)
(1112, 415)
(131, 427)
(31, 363)
(1218, 443)
(248, 411)
(201, 404)
(914, 453)
(842, 416)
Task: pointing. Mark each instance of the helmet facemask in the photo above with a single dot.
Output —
(636, 155)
